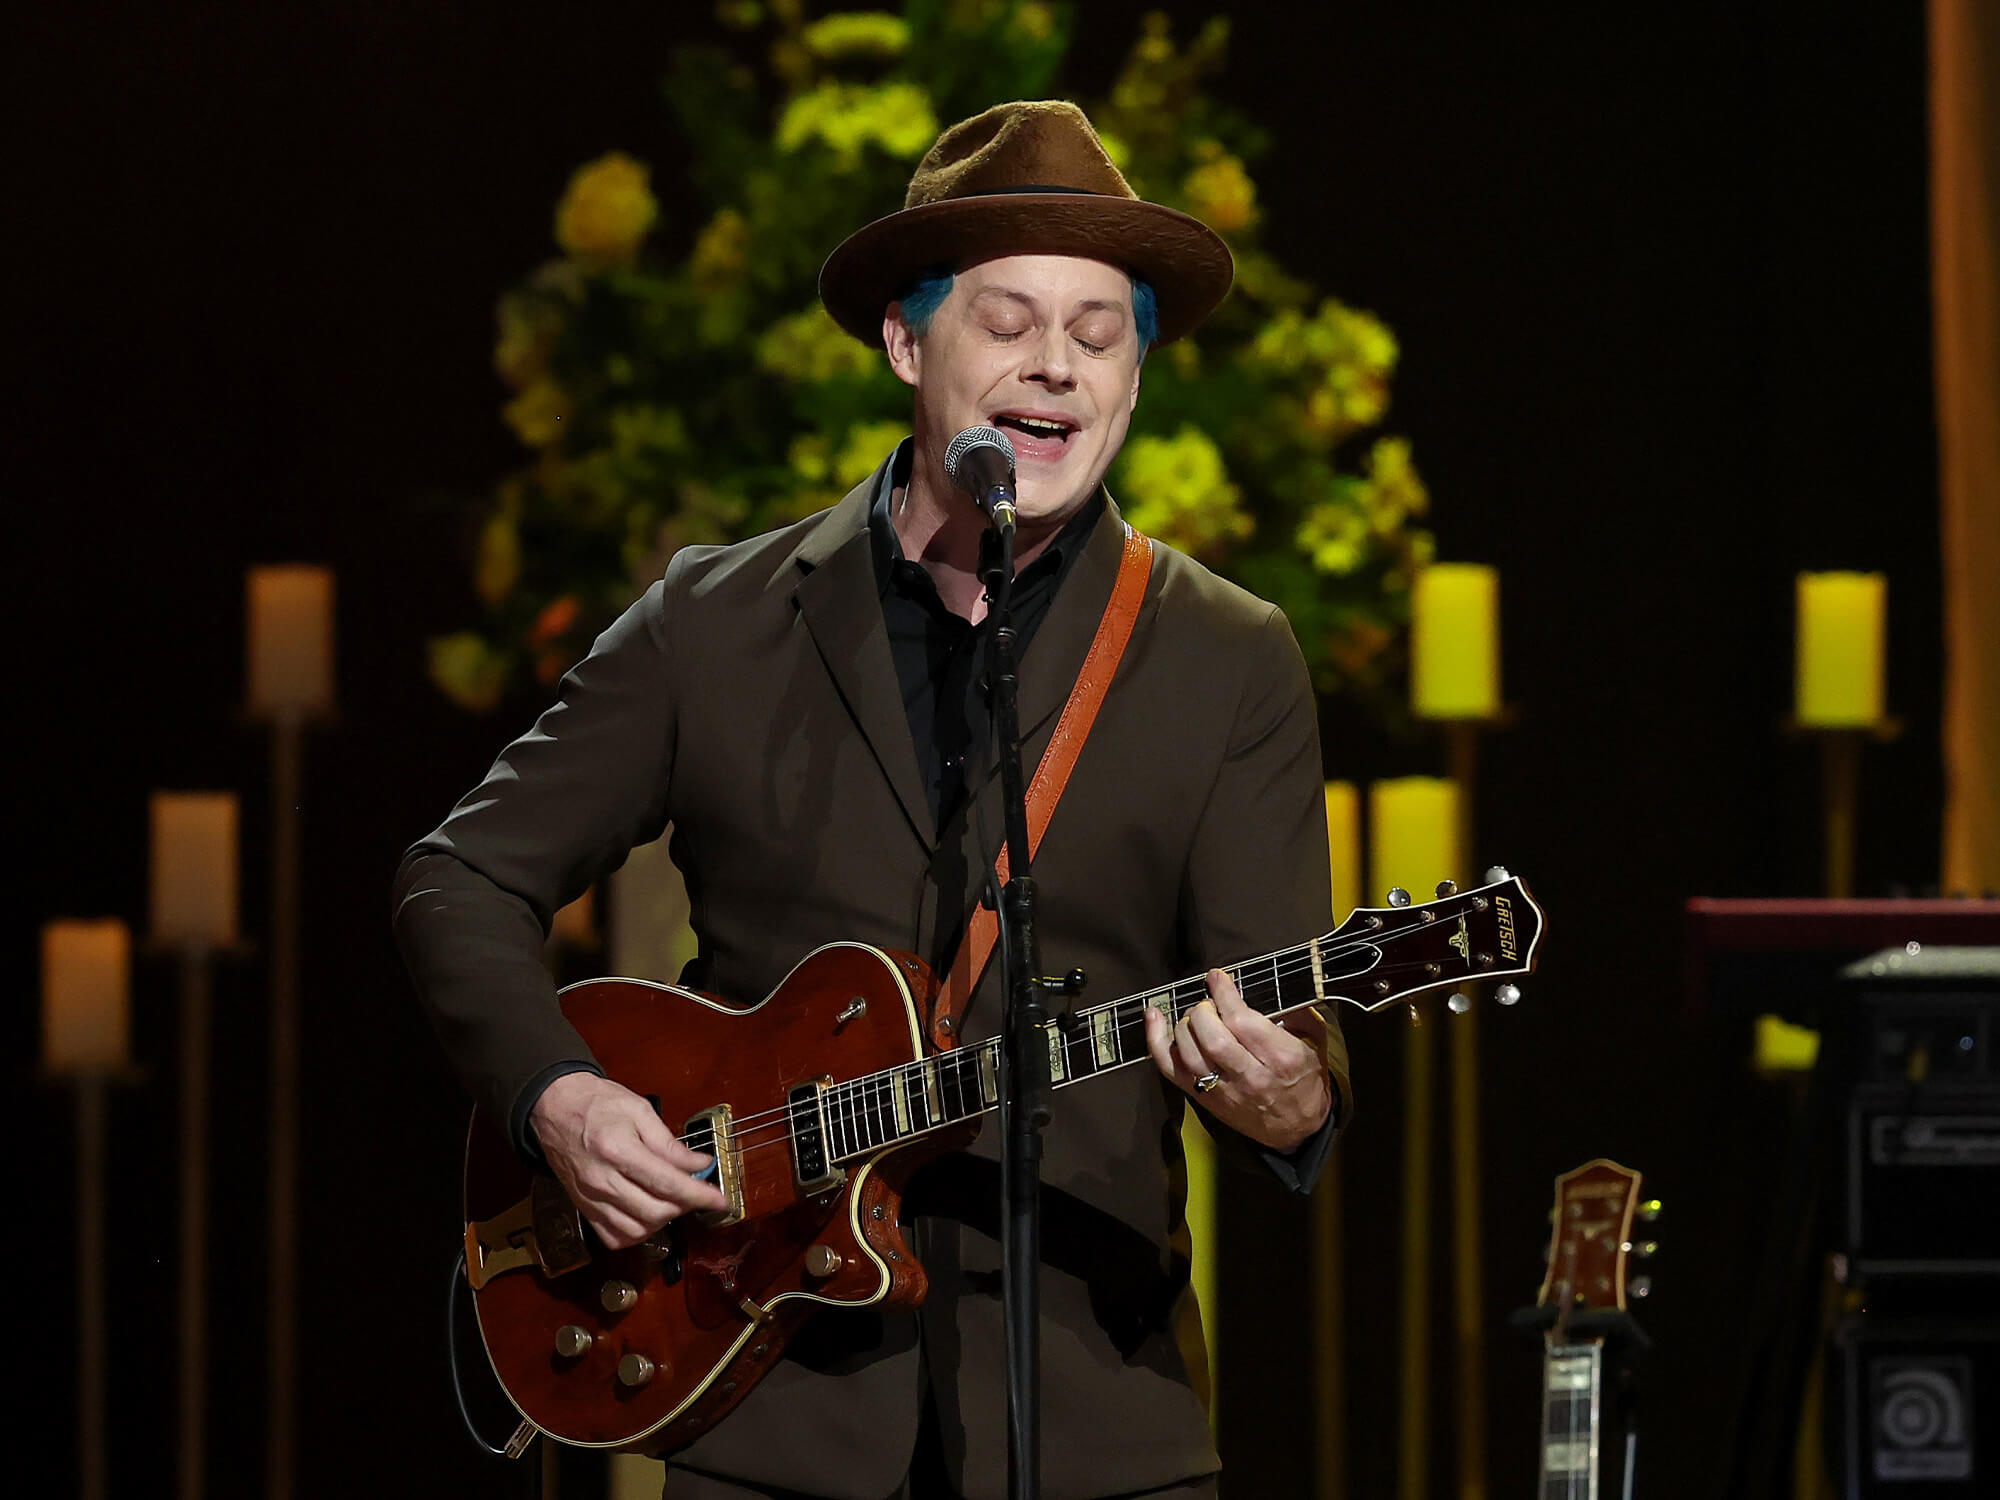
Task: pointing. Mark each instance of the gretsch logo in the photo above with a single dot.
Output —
(1461, 940)
(1510, 946)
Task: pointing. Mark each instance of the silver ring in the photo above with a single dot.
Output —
(1206, 1082)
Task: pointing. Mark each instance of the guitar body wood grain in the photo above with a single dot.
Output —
(712, 1304)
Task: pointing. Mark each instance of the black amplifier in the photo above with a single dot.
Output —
(1919, 1408)
(1922, 1188)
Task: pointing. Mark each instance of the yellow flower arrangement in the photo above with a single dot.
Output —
(868, 443)
(606, 211)
(1394, 491)
(860, 33)
(641, 430)
(618, 353)
(1220, 193)
(809, 346)
(1035, 21)
(1335, 534)
(527, 334)
(468, 671)
(538, 413)
(721, 251)
(1178, 489)
(846, 117)
(497, 563)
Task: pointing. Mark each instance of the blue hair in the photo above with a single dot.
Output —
(1145, 314)
(924, 296)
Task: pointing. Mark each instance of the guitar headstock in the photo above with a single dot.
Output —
(1591, 1244)
(1382, 955)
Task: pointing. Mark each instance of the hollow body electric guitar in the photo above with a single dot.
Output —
(1583, 1302)
(817, 1103)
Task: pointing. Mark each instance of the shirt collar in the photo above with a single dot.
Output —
(887, 547)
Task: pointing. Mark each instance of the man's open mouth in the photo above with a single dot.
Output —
(1039, 437)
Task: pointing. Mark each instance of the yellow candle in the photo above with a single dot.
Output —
(1343, 845)
(1455, 642)
(575, 925)
(1840, 630)
(194, 868)
(86, 996)
(1413, 836)
(1204, 1240)
(290, 639)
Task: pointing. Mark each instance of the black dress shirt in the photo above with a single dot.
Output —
(941, 657)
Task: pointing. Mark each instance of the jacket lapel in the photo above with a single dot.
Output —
(839, 599)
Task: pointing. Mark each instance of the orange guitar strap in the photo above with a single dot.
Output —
(1100, 665)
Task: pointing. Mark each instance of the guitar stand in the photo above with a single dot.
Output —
(1620, 1331)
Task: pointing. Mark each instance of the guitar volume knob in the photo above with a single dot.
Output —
(572, 1340)
(822, 1261)
(634, 1370)
(618, 1296)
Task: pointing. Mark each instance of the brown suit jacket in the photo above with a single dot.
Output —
(750, 699)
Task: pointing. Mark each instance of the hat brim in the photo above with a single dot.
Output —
(1186, 262)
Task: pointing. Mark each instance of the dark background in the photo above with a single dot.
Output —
(1661, 286)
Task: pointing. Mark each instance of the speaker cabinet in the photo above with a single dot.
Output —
(1919, 1414)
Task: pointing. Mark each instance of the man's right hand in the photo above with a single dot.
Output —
(624, 1169)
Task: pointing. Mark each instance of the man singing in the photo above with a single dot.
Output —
(810, 712)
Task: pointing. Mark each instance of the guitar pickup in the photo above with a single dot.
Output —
(712, 1132)
(812, 1162)
(543, 1230)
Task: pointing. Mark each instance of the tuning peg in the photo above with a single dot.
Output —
(1458, 1005)
(1398, 896)
(1508, 994)
(1649, 1210)
(1640, 1286)
(1447, 888)
(1495, 874)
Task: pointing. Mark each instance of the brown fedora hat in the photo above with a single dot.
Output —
(1027, 178)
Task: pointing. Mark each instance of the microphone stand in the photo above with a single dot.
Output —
(1024, 1056)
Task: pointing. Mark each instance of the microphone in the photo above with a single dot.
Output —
(980, 461)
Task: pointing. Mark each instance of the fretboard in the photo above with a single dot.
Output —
(897, 1104)
(1570, 1421)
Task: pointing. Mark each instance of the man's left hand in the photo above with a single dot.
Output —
(1261, 1080)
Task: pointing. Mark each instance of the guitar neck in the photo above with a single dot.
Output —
(911, 1099)
(1571, 1405)
(1376, 958)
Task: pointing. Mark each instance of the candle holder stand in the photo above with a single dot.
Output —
(287, 725)
(1329, 1335)
(1462, 737)
(92, 1087)
(1840, 747)
(195, 964)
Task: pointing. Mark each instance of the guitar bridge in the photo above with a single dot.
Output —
(711, 1131)
(812, 1163)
